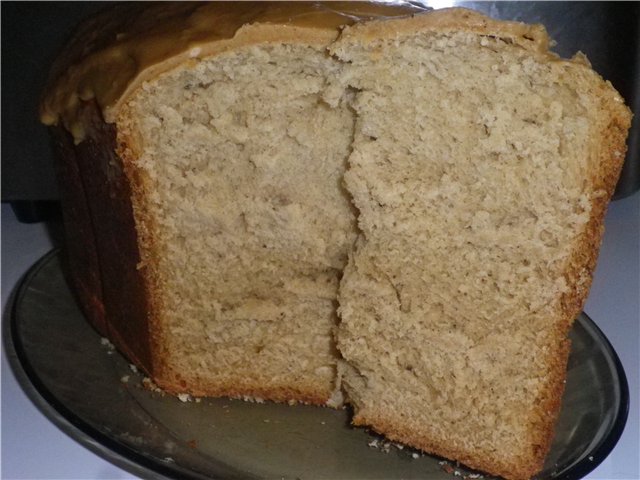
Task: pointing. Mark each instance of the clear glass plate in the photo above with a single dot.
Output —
(90, 392)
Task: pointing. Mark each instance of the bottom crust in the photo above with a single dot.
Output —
(241, 389)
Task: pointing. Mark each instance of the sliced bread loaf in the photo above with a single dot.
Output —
(233, 171)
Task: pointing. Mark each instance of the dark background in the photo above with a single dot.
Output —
(33, 33)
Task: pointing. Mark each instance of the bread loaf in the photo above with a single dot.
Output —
(236, 176)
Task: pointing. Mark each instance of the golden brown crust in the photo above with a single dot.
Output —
(608, 149)
(303, 393)
(146, 231)
(531, 37)
(544, 417)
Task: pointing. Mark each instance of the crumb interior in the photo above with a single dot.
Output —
(243, 160)
(468, 172)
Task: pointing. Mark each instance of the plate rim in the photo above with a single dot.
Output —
(127, 458)
(606, 446)
(136, 463)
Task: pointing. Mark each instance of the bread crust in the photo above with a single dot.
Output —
(132, 43)
(303, 393)
(608, 153)
(392, 428)
(532, 37)
(115, 302)
(80, 255)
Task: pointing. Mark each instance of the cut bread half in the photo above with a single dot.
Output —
(480, 168)
(244, 223)
(219, 222)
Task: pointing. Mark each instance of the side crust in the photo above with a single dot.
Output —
(116, 303)
(293, 394)
(608, 154)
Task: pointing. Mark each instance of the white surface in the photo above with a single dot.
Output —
(614, 305)
(33, 448)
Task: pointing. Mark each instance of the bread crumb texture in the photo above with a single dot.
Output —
(440, 183)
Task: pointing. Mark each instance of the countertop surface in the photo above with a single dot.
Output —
(33, 448)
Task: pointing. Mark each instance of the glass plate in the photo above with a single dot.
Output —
(91, 392)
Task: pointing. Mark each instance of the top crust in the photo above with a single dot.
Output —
(136, 42)
(532, 37)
